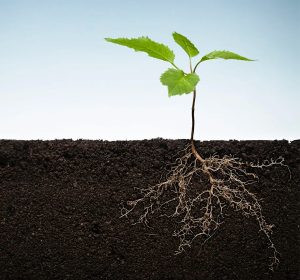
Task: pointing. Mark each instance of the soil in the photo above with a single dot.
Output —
(60, 213)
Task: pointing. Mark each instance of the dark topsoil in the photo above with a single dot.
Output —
(60, 213)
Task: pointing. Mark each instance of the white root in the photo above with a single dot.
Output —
(201, 211)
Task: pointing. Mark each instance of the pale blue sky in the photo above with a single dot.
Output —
(60, 79)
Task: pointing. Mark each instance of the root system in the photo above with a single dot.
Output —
(199, 190)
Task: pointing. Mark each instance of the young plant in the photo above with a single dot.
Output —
(200, 209)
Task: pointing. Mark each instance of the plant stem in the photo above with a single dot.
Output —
(173, 64)
(196, 66)
(194, 151)
(193, 116)
(191, 67)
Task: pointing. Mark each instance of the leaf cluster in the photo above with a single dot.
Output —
(177, 81)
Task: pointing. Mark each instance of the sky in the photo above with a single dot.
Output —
(59, 79)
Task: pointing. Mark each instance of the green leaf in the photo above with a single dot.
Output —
(224, 55)
(186, 44)
(144, 44)
(178, 82)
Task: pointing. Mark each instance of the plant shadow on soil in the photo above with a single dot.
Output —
(60, 213)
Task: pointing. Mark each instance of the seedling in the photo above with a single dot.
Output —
(200, 209)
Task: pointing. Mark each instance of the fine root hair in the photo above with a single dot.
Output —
(199, 190)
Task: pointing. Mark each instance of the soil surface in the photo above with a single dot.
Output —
(60, 213)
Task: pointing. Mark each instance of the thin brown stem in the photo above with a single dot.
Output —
(193, 116)
(194, 151)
